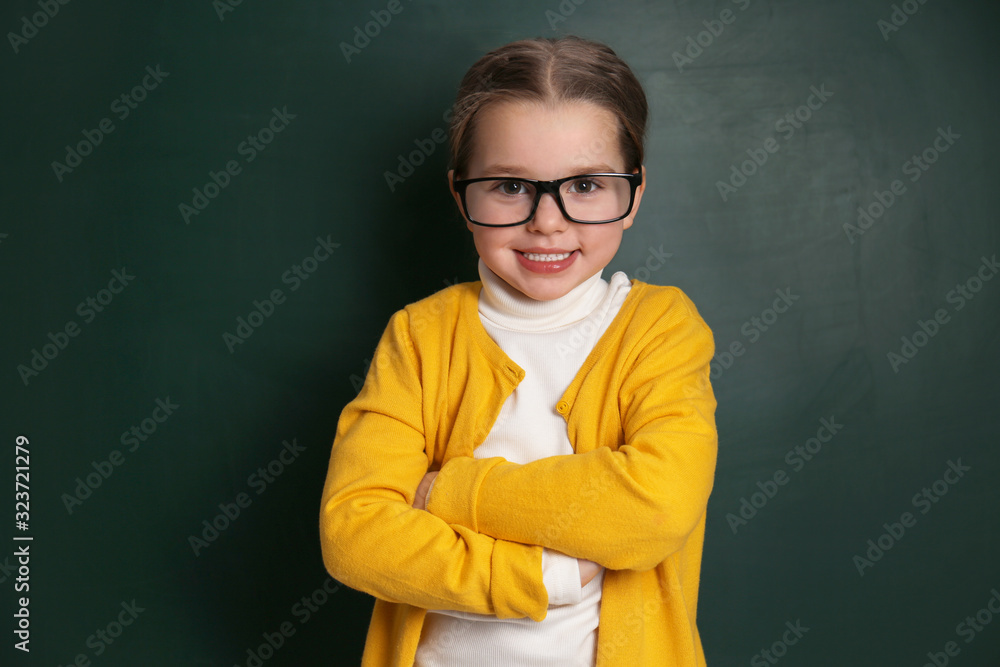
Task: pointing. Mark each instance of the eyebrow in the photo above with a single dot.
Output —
(503, 170)
(512, 170)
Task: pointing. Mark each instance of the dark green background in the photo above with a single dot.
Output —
(323, 176)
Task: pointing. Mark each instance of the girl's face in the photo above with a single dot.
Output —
(547, 142)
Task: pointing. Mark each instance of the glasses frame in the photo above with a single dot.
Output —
(550, 187)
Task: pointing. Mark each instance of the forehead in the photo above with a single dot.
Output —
(545, 141)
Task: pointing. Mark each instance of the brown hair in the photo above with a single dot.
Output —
(547, 69)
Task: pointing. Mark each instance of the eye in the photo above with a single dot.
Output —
(510, 187)
(584, 186)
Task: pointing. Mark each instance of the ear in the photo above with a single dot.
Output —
(627, 222)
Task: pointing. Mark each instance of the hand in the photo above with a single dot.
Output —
(588, 570)
(420, 499)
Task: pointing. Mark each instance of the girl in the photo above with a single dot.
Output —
(524, 476)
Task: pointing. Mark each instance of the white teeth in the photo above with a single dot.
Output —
(535, 257)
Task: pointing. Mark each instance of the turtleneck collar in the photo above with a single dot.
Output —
(508, 308)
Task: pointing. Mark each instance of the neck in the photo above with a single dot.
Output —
(511, 309)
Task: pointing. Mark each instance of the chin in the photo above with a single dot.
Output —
(534, 286)
(547, 293)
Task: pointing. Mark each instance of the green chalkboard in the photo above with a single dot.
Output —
(210, 211)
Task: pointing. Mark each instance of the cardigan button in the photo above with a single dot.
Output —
(562, 407)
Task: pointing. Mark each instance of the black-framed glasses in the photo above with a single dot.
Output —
(589, 199)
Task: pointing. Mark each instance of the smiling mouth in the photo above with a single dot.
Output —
(538, 257)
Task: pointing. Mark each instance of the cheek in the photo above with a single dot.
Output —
(602, 240)
(492, 238)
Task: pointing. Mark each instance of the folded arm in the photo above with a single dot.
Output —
(371, 537)
(624, 508)
(564, 576)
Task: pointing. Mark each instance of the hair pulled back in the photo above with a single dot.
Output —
(550, 70)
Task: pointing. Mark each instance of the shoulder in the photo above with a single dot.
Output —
(419, 328)
(441, 310)
(659, 307)
(663, 334)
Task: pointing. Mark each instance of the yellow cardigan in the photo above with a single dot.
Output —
(641, 417)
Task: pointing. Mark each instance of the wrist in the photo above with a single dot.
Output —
(457, 487)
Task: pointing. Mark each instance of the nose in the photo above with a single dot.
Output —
(548, 218)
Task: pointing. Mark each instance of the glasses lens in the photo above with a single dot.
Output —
(596, 198)
(499, 201)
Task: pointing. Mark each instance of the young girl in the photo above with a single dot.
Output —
(522, 480)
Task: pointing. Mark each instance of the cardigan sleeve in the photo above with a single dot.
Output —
(625, 508)
(372, 538)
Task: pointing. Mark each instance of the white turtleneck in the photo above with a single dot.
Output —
(549, 340)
